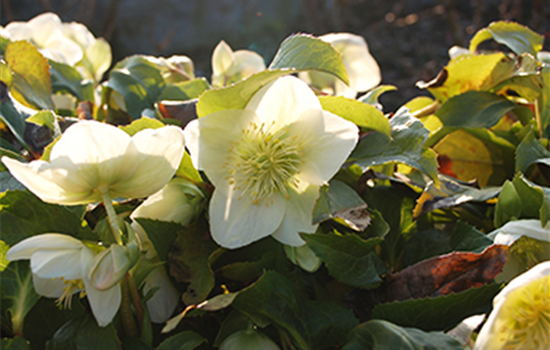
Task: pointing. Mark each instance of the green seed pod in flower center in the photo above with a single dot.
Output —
(263, 162)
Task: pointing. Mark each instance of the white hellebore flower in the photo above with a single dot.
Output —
(363, 71)
(520, 319)
(268, 162)
(93, 159)
(529, 244)
(61, 265)
(69, 43)
(229, 67)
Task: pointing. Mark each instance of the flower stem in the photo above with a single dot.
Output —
(128, 321)
(135, 299)
(111, 216)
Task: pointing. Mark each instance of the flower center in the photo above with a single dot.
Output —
(525, 250)
(71, 286)
(263, 162)
(530, 326)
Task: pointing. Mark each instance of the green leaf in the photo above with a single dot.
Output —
(349, 259)
(18, 295)
(365, 116)
(233, 323)
(83, 333)
(382, 335)
(161, 233)
(45, 318)
(236, 96)
(16, 343)
(6, 76)
(544, 102)
(337, 200)
(508, 206)
(31, 75)
(187, 170)
(405, 146)
(516, 37)
(66, 79)
(47, 119)
(439, 313)
(141, 124)
(474, 109)
(304, 52)
(531, 151)
(186, 340)
(24, 215)
(13, 114)
(184, 91)
(371, 97)
(434, 242)
(3, 251)
(139, 82)
(190, 263)
(309, 324)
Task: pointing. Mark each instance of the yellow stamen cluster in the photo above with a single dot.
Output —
(263, 162)
(527, 325)
(525, 248)
(71, 286)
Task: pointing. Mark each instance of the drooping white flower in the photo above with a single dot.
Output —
(268, 162)
(529, 244)
(229, 67)
(69, 43)
(521, 314)
(60, 265)
(93, 158)
(363, 71)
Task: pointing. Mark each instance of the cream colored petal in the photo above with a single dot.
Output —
(27, 247)
(79, 33)
(235, 223)
(165, 300)
(48, 287)
(100, 56)
(209, 140)
(19, 31)
(104, 304)
(222, 58)
(247, 63)
(64, 50)
(51, 184)
(156, 154)
(513, 230)
(283, 101)
(298, 217)
(44, 26)
(56, 263)
(327, 140)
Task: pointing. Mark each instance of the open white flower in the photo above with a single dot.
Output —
(229, 67)
(69, 43)
(268, 162)
(529, 244)
(363, 71)
(60, 265)
(93, 159)
(520, 318)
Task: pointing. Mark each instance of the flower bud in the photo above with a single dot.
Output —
(248, 339)
(179, 201)
(111, 265)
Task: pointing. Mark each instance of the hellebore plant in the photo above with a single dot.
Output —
(363, 71)
(521, 314)
(61, 266)
(274, 155)
(229, 67)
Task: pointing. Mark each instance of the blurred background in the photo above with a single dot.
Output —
(408, 38)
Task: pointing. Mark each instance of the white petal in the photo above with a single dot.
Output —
(66, 49)
(44, 180)
(283, 101)
(298, 217)
(235, 223)
(19, 31)
(44, 26)
(247, 63)
(327, 140)
(27, 247)
(57, 263)
(79, 33)
(104, 303)
(209, 140)
(159, 153)
(100, 56)
(48, 287)
(163, 303)
(222, 58)
(513, 230)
